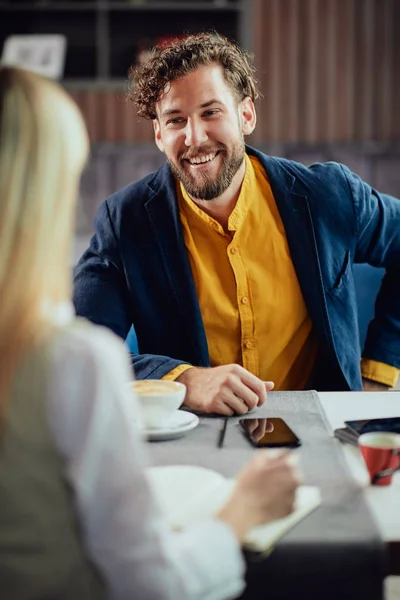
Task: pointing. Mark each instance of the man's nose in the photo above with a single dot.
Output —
(195, 133)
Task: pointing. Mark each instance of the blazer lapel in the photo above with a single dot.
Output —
(296, 216)
(162, 208)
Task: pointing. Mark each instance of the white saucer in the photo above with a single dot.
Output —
(180, 422)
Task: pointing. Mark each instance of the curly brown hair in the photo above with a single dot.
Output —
(168, 62)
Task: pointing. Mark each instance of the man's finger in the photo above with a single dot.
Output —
(254, 383)
(236, 403)
(268, 386)
(245, 394)
(223, 409)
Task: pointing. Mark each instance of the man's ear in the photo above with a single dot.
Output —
(247, 116)
(157, 134)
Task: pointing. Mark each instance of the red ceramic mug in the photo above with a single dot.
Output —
(381, 453)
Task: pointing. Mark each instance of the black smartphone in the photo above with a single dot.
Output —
(271, 432)
(391, 424)
(344, 434)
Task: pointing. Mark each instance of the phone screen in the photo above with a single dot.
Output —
(271, 432)
(391, 424)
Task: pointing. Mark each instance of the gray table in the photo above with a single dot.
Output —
(384, 502)
(337, 551)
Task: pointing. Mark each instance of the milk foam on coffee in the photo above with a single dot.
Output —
(152, 387)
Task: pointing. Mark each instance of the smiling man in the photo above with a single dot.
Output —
(234, 267)
(203, 141)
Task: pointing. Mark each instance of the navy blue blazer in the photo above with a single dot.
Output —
(136, 269)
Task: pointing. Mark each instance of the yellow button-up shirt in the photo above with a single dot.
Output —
(250, 299)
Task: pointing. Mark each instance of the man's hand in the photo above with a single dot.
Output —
(265, 491)
(374, 386)
(225, 390)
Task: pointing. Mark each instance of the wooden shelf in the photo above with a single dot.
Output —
(51, 7)
(173, 6)
(122, 6)
(105, 37)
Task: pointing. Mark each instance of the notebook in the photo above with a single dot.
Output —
(189, 493)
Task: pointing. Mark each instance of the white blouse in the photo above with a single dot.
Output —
(92, 417)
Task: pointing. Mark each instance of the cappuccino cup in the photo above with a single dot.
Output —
(158, 400)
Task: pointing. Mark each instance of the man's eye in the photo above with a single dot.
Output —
(176, 121)
(210, 113)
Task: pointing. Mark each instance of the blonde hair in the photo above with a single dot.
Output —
(43, 148)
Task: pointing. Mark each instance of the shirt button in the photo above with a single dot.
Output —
(233, 250)
(248, 344)
(244, 300)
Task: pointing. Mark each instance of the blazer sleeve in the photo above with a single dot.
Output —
(101, 294)
(378, 243)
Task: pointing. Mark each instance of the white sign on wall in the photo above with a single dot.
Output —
(44, 54)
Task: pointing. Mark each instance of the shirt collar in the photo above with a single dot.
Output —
(238, 214)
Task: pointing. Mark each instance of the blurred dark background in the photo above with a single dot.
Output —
(328, 69)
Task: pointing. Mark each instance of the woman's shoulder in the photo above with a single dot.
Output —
(87, 383)
(82, 346)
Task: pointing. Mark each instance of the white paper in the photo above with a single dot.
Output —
(188, 494)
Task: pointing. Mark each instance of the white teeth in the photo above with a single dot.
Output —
(202, 159)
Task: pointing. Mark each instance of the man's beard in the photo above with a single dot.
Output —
(209, 188)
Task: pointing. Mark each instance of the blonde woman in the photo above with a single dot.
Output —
(77, 519)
